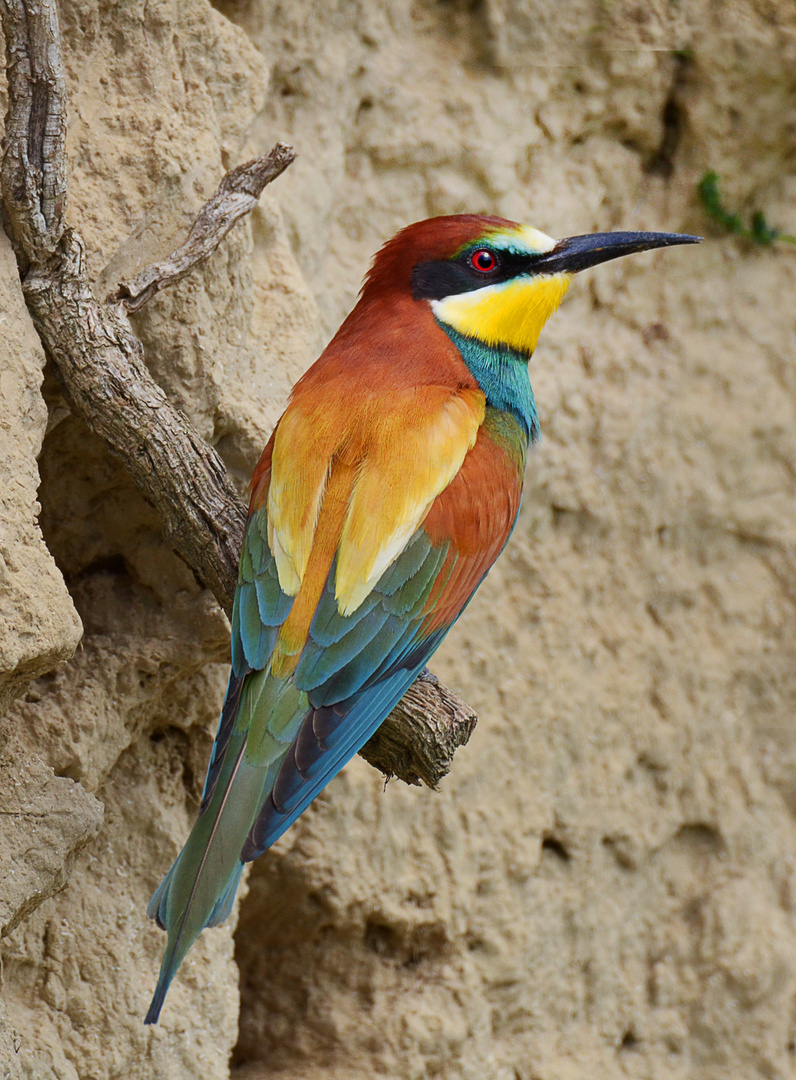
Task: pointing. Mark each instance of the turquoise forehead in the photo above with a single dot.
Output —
(521, 240)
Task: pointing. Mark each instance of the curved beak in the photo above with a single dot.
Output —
(580, 252)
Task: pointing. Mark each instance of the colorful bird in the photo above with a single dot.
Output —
(387, 490)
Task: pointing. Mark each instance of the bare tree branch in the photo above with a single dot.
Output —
(101, 361)
(237, 194)
(403, 746)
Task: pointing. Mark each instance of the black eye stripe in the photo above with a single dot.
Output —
(437, 279)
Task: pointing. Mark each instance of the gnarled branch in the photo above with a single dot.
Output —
(237, 195)
(101, 361)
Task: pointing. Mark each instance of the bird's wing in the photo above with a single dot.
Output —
(355, 666)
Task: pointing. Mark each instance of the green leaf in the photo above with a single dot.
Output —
(760, 232)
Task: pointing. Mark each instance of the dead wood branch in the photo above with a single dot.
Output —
(405, 749)
(106, 381)
(237, 195)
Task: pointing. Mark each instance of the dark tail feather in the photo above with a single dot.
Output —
(200, 887)
(162, 988)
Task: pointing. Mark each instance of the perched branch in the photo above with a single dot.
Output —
(403, 747)
(106, 381)
(237, 194)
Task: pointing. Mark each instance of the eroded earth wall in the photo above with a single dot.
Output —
(605, 886)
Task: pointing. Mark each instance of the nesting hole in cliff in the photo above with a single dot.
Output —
(113, 565)
(662, 161)
(630, 1041)
(699, 839)
(552, 846)
(466, 23)
(578, 524)
(380, 938)
(234, 10)
(621, 850)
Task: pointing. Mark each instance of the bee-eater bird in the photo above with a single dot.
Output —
(387, 490)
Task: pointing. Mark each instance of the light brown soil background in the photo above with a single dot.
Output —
(605, 886)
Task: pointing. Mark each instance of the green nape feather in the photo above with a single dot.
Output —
(200, 887)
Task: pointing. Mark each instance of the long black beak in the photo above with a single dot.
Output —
(580, 252)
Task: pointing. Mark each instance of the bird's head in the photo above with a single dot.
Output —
(495, 280)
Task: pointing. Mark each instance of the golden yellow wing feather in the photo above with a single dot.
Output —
(341, 485)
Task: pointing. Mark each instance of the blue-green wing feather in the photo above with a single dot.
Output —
(331, 668)
(260, 607)
(314, 760)
(354, 670)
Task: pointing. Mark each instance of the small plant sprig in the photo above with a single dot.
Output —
(759, 230)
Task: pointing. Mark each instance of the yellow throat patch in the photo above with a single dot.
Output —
(510, 313)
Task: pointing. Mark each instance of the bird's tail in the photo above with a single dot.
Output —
(200, 887)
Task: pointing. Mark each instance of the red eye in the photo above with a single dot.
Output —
(483, 260)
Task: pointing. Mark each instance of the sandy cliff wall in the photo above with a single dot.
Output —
(606, 884)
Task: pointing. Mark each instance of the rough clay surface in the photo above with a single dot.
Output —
(606, 884)
(38, 623)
